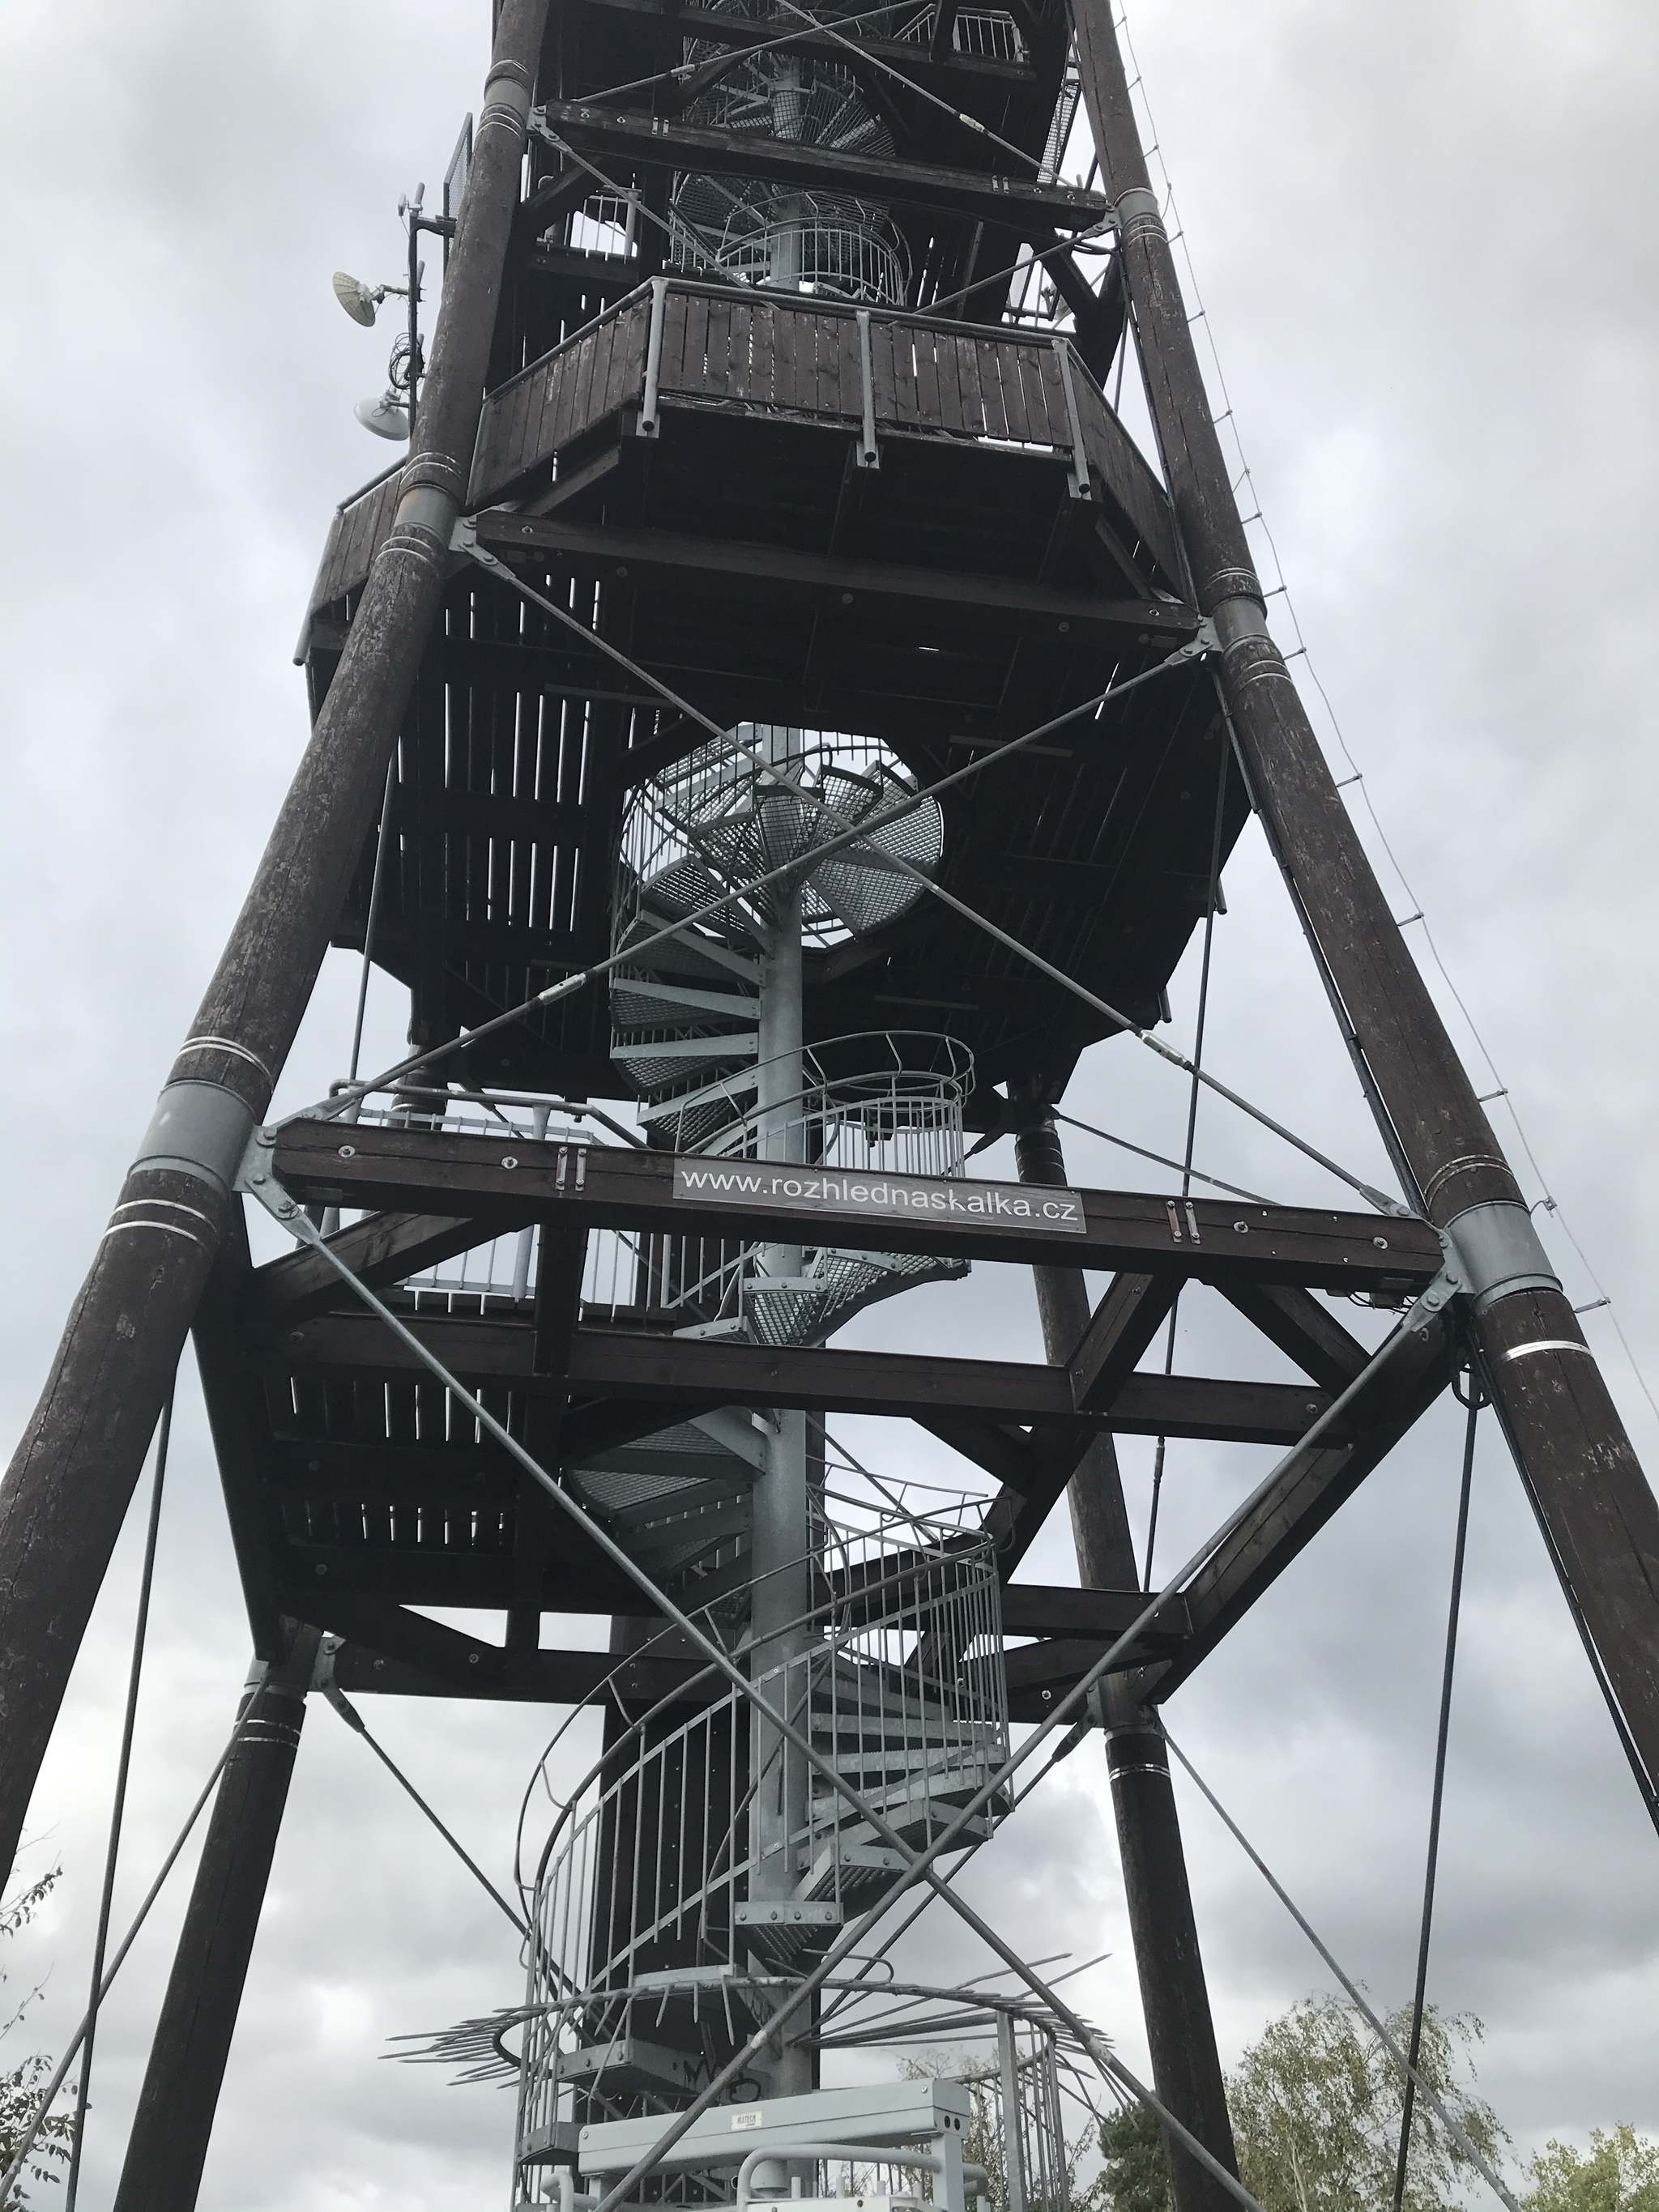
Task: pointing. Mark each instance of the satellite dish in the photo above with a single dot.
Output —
(384, 417)
(359, 300)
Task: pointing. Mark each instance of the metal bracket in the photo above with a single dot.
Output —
(647, 425)
(1080, 454)
(1434, 1299)
(322, 1669)
(1493, 1251)
(869, 455)
(255, 1178)
(198, 1129)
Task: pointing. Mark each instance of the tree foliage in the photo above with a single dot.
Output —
(1135, 2177)
(1317, 2108)
(22, 2083)
(1620, 2174)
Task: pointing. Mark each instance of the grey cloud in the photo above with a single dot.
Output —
(1426, 247)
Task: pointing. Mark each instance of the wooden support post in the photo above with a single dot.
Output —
(1600, 1518)
(169, 2141)
(558, 1295)
(64, 1499)
(1180, 2033)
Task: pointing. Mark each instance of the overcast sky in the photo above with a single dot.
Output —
(1426, 244)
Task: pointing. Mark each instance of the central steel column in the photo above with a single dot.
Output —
(1180, 2033)
(781, 1556)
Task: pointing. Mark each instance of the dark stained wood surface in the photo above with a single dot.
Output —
(630, 136)
(357, 1352)
(422, 1171)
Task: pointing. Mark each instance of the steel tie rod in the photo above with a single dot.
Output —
(920, 1866)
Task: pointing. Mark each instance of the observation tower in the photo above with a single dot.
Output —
(773, 720)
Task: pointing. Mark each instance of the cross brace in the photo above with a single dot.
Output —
(783, 576)
(622, 136)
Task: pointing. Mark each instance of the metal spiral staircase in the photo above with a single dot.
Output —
(671, 1908)
(688, 1017)
(812, 241)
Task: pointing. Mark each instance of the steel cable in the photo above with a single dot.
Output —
(1414, 2048)
(117, 1810)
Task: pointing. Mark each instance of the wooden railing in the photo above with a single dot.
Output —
(676, 343)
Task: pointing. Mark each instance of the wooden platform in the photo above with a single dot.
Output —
(359, 1486)
(936, 536)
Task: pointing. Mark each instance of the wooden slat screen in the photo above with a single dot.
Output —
(1127, 481)
(354, 539)
(555, 400)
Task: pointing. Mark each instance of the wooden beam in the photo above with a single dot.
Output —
(559, 1269)
(579, 1579)
(1097, 317)
(652, 1373)
(1308, 1491)
(1121, 1327)
(1303, 1330)
(541, 1678)
(384, 1247)
(239, 1442)
(447, 1655)
(554, 197)
(1211, 1240)
(943, 41)
(1000, 1451)
(1039, 1674)
(1056, 1609)
(647, 141)
(833, 584)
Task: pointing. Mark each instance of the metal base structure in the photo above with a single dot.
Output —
(541, 1372)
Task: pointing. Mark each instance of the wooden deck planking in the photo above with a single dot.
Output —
(783, 351)
(973, 396)
(672, 358)
(1013, 393)
(988, 357)
(717, 377)
(696, 344)
(603, 342)
(904, 378)
(945, 348)
(743, 339)
(1053, 386)
(881, 372)
(851, 379)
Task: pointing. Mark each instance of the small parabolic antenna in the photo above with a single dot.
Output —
(384, 415)
(359, 300)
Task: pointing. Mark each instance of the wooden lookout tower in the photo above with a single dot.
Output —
(774, 720)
